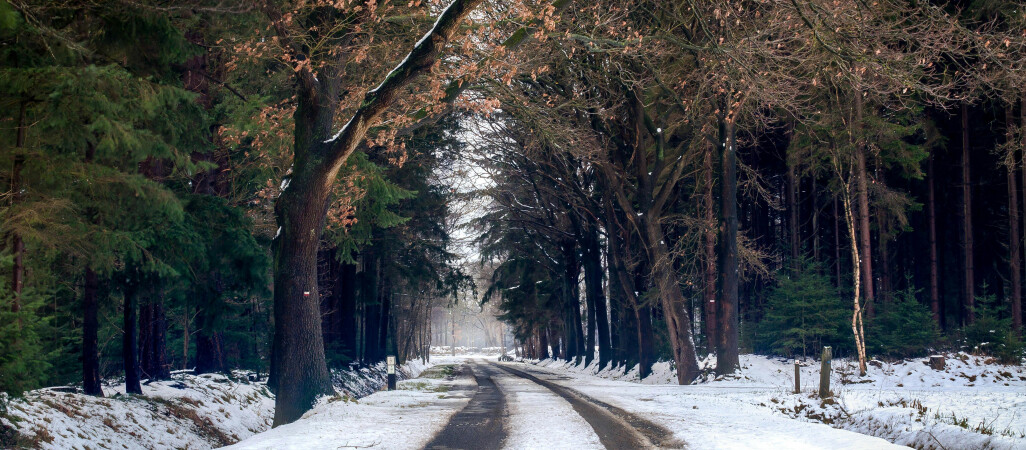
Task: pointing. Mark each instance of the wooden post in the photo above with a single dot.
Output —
(824, 373)
(390, 381)
(797, 378)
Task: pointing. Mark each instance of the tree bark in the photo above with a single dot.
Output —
(931, 218)
(347, 306)
(543, 343)
(1013, 224)
(371, 307)
(129, 342)
(969, 275)
(727, 358)
(643, 316)
(865, 248)
(91, 380)
(709, 307)
(595, 294)
(153, 336)
(792, 210)
(837, 245)
(17, 244)
(386, 319)
(300, 210)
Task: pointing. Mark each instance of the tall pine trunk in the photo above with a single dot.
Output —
(129, 341)
(931, 218)
(153, 337)
(969, 269)
(347, 307)
(17, 244)
(792, 211)
(90, 331)
(1014, 258)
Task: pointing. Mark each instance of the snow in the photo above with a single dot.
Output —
(402, 419)
(973, 403)
(415, 46)
(340, 131)
(189, 411)
(538, 418)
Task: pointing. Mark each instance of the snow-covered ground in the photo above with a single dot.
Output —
(538, 418)
(406, 418)
(973, 403)
(188, 411)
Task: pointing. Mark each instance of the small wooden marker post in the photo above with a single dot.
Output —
(797, 378)
(824, 373)
(391, 373)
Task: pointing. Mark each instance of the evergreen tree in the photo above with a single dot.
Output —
(803, 314)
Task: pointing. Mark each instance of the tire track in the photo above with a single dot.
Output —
(480, 424)
(616, 428)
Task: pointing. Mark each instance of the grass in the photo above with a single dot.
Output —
(440, 371)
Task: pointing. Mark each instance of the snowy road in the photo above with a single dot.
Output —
(478, 403)
(536, 405)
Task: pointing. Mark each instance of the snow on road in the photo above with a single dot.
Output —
(538, 418)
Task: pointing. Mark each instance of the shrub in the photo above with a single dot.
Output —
(803, 313)
(991, 333)
(903, 327)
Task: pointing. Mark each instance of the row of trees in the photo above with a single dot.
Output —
(156, 152)
(145, 149)
(695, 156)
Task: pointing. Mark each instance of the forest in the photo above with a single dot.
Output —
(299, 188)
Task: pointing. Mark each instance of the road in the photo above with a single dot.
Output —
(485, 422)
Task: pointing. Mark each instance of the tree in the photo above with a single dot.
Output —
(300, 210)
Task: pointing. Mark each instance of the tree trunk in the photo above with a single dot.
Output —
(969, 276)
(153, 335)
(347, 306)
(1022, 132)
(90, 329)
(386, 318)
(372, 308)
(792, 210)
(129, 342)
(210, 357)
(674, 312)
(837, 245)
(857, 328)
(643, 316)
(814, 194)
(709, 307)
(596, 295)
(543, 343)
(1013, 224)
(589, 302)
(931, 218)
(298, 349)
(727, 358)
(571, 296)
(865, 249)
(17, 244)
